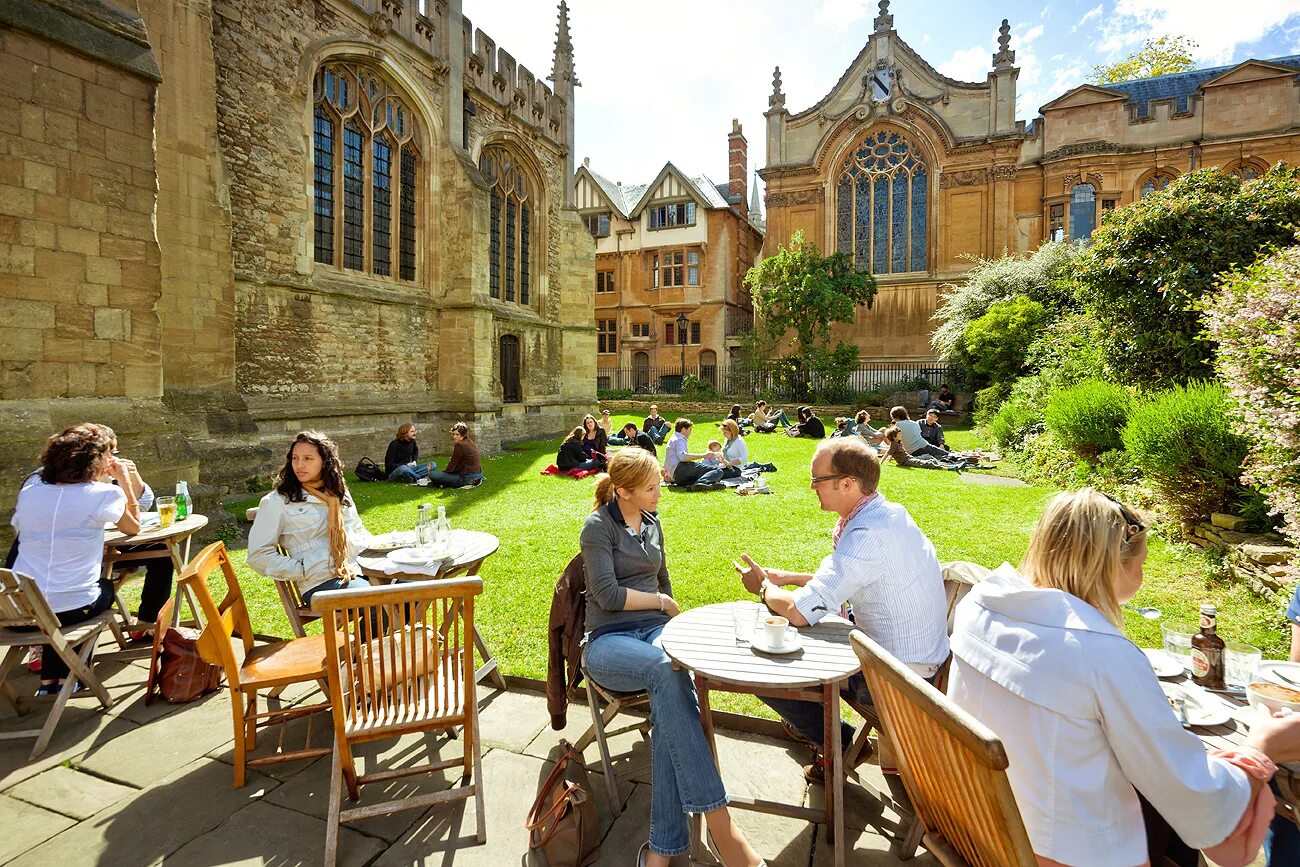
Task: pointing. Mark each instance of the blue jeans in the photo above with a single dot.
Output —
(617, 440)
(439, 479)
(407, 473)
(659, 434)
(684, 777)
(809, 717)
(340, 584)
(1282, 843)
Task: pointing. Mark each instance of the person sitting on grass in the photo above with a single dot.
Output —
(60, 517)
(307, 528)
(912, 440)
(841, 427)
(1095, 755)
(881, 563)
(631, 435)
(862, 427)
(629, 601)
(900, 455)
(656, 425)
(765, 420)
(809, 426)
(606, 424)
(713, 458)
(735, 453)
(572, 456)
(594, 442)
(734, 415)
(682, 467)
(932, 431)
(402, 460)
(465, 469)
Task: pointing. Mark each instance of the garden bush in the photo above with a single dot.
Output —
(1151, 264)
(1088, 418)
(614, 394)
(1183, 442)
(1069, 350)
(1015, 421)
(1256, 320)
(694, 388)
(989, 400)
(995, 344)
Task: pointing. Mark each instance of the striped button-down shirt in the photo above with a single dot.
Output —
(886, 568)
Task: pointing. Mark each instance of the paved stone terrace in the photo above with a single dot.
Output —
(140, 785)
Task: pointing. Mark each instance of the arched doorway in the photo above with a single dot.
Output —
(709, 367)
(640, 371)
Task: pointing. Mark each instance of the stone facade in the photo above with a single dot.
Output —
(992, 183)
(158, 183)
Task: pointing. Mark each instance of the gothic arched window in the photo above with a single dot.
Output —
(366, 169)
(511, 200)
(882, 205)
(1247, 170)
(1158, 181)
(1083, 211)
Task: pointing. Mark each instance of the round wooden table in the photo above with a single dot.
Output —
(175, 538)
(703, 640)
(470, 548)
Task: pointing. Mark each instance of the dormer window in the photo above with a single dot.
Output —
(669, 216)
(597, 224)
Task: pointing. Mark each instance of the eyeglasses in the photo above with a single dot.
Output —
(1132, 524)
(817, 480)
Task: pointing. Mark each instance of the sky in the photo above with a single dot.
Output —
(662, 80)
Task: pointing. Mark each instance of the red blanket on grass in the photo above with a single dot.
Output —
(553, 470)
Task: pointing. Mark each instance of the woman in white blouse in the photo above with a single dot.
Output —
(307, 529)
(1041, 659)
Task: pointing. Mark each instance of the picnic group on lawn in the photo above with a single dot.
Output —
(1102, 772)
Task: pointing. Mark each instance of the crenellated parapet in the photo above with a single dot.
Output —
(493, 75)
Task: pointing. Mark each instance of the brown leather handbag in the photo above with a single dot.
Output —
(176, 668)
(562, 821)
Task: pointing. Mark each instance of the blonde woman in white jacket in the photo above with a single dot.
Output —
(1040, 658)
(307, 529)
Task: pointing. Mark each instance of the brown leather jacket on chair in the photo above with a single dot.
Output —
(564, 640)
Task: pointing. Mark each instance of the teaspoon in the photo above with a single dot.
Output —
(1148, 613)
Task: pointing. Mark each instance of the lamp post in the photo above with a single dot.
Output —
(681, 338)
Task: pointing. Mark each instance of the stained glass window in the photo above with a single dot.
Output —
(323, 150)
(510, 227)
(882, 205)
(360, 125)
(1083, 211)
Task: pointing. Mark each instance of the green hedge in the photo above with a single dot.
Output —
(1089, 418)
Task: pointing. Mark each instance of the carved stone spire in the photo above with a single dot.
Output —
(884, 21)
(562, 67)
(1005, 58)
(777, 99)
(755, 209)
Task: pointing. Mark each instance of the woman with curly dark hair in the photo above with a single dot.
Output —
(60, 517)
(307, 529)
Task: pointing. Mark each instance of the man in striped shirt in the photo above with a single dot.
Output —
(880, 563)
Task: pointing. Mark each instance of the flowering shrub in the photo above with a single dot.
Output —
(1255, 317)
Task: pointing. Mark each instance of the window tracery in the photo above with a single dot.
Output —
(882, 205)
(511, 200)
(1157, 181)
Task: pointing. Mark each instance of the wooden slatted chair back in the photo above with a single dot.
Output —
(224, 621)
(399, 658)
(23, 605)
(952, 766)
(298, 612)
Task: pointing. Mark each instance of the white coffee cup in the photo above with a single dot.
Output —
(774, 628)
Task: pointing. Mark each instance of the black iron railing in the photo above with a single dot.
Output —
(774, 379)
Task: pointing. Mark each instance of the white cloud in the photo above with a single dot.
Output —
(1032, 35)
(1088, 16)
(1216, 30)
(968, 64)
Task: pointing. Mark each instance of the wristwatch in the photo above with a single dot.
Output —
(762, 591)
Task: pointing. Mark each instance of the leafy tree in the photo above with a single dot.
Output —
(1163, 56)
(996, 343)
(1151, 263)
(801, 292)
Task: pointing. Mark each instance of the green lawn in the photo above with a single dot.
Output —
(538, 519)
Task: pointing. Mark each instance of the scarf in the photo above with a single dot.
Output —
(340, 567)
(843, 522)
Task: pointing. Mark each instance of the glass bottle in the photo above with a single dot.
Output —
(443, 533)
(1207, 651)
(424, 525)
(182, 500)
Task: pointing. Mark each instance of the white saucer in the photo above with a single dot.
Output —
(416, 557)
(1203, 708)
(793, 641)
(1164, 664)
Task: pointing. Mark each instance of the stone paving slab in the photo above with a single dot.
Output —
(72, 793)
(511, 720)
(154, 823)
(263, 833)
(146, 755)
(23, 826)
(84, 727)
(313, 730)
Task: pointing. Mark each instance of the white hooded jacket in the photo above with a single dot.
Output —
(1085, 723)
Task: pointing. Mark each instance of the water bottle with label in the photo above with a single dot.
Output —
(182, 500)
(424, 525)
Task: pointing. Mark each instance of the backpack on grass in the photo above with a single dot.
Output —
(369, 471)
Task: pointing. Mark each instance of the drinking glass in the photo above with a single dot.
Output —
(166, 511)
(1239, 663)
(743, 617)
(1178, 641)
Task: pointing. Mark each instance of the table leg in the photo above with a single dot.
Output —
(834, 772)
(699, 853)
(489, 668)
(179, 562)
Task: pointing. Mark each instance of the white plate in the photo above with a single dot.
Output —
(1164, 664)
(415, 557)
(392, 541)
(1288, 669)
(1203, 708)
(793, 641)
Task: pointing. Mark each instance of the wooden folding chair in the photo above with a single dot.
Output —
(415, 675)
(615, 702)
(263, 667)
(298, 612)
(23, 605)
(952, 767)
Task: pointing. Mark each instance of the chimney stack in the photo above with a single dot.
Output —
(737, 163)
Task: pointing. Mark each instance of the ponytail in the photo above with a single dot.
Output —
(631, 468)
(604, 491)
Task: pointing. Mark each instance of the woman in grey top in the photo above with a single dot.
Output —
(629, 599)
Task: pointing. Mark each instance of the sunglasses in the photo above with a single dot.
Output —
(817, 480)
(1132, 523)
